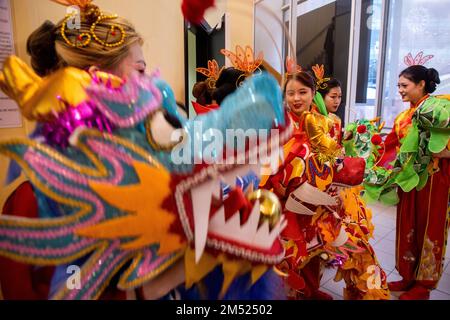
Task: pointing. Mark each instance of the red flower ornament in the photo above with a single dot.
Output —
(376, 139)
(194, 10)
(362, 129)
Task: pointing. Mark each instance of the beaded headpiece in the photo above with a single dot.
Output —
(244, 60)
(212, 73)
(319, 73)
(90, 14)
(418, 60)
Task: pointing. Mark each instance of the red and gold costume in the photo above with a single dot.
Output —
(361, 263)
(319, 230)
(335, 131)
(356, 260)
(306, 233)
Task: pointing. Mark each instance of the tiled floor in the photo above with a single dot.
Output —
(384, 219)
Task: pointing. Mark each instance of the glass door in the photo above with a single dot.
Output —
(320, 33)
(367, 57)
(202, 43)
(323, 37)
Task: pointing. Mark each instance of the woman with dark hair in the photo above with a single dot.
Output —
(220, 83)
(299, 91)
(317, 230)
(419, 145)
(203, 90)
(310, 129)
(332, 96)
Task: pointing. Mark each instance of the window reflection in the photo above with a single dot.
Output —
(414, 26)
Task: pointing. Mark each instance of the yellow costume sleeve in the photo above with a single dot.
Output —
(38, 98)
(336, 120)
(317, 128)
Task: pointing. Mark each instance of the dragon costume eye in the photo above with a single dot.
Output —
(161, 130)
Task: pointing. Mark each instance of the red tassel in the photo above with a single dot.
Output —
(194, 10)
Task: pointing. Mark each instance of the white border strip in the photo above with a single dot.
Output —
(353, 56)
(311, 5)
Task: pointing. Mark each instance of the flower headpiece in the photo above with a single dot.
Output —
(244, 60)
(321, 81)
(212, 73)
(418, 60)
(90, 14)
(292, 67)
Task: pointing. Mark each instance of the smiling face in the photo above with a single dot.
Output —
(410, 91)
(333, 99)
(299, 97)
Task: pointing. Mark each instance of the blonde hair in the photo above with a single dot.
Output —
(50, 51)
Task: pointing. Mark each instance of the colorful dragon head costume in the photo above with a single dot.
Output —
(106, 158)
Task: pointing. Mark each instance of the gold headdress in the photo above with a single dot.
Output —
(212, 73)
(319, 72)
(90, 14)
